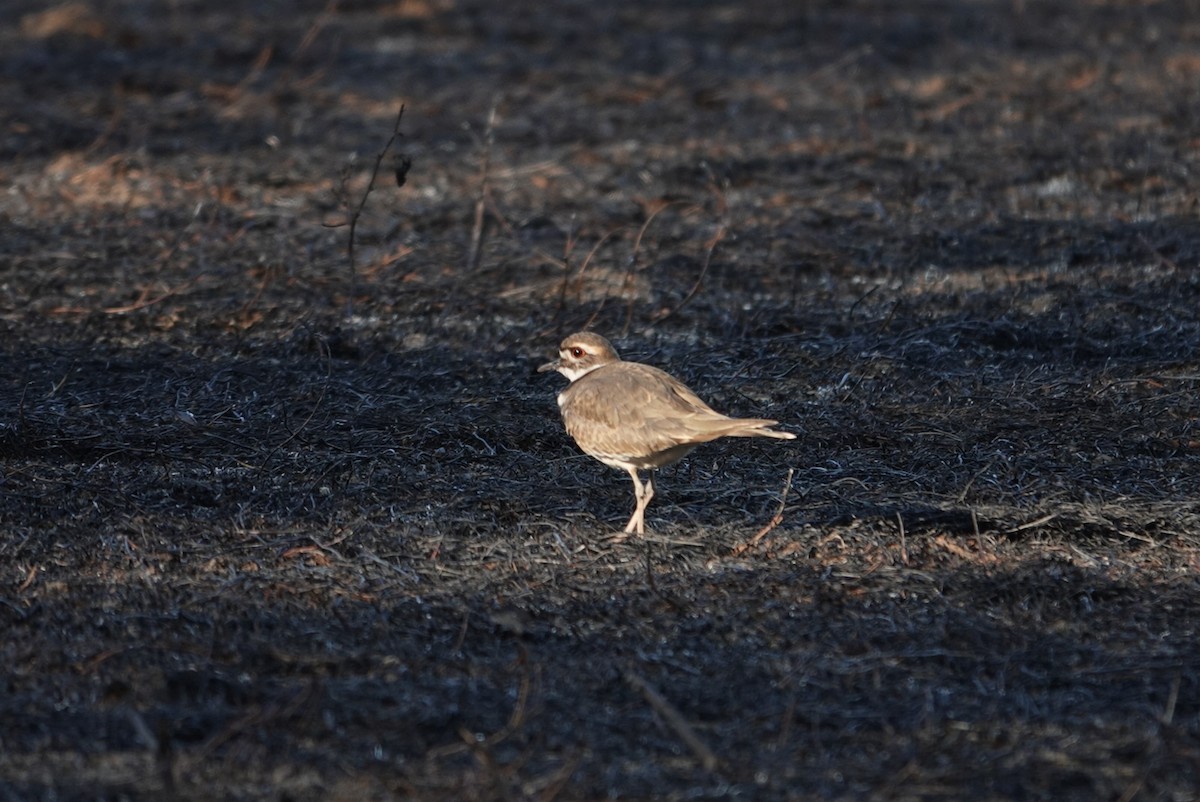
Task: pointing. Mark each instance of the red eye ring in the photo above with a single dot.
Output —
(577, 352)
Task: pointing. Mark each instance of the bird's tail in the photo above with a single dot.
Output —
(755, 427)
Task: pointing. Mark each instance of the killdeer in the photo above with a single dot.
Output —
(637, 417)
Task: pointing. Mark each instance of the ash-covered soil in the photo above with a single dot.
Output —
(287, 514)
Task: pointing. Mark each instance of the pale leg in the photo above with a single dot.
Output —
(642, 494)
(647, 494)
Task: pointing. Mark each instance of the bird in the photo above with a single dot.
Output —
(636, 417)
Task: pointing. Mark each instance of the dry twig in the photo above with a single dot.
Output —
(474, 254)
(357, 211)
(674, 719)
(775, 521)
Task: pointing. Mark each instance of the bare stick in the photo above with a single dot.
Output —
(1045, 519)
(516, 719)
(709, 247)
(362, 202)
(579, 278)
(587, 260)
(967, 488)
(145, 300)
(1168, 714)
(568, 247)
(627, 284)
(775, 521)
(674, 720)
(489, 139)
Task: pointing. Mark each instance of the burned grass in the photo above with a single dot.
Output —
(259, 546)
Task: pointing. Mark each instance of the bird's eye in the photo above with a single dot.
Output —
(577, 352)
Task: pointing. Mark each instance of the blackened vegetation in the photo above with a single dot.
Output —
(255, 546)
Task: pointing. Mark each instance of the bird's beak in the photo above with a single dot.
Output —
(550, 366)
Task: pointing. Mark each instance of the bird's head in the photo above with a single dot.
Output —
(580, 354)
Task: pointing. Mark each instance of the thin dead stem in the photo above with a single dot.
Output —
(673, 719)
(356, 213)
(775, 521)
(478, 224)
(710, 247)
(631, 268)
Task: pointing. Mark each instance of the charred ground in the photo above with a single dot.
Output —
(271, 533)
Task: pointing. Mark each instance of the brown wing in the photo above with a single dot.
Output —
(639, 413)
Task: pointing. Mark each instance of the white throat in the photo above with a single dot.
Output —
(572, 373)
